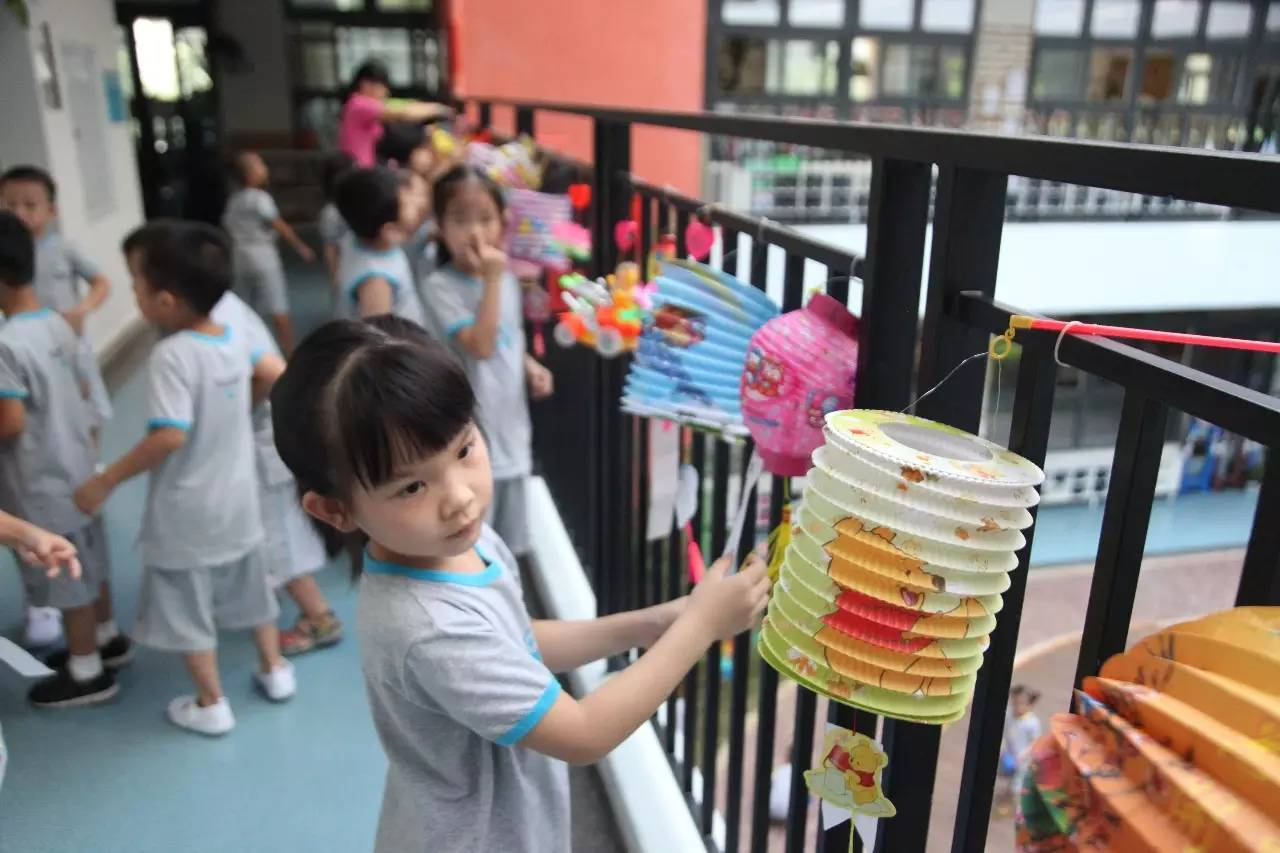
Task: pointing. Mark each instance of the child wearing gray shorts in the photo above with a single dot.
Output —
(46, 450)
(253, 221)
(202, 532)
(293, 548)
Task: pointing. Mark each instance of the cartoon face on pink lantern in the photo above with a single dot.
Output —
(799, 368)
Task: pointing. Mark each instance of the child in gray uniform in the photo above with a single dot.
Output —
(294, 550)
(202, 532)
(253, 221)
(374, 276)
(30, 193)
(45, 452)
(375, 419)
(476, 302)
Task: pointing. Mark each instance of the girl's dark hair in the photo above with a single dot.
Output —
(191, 260)
(360, 397)
(370, 71)
(447, 187)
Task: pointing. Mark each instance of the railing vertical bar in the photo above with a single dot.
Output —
(699, 462)
(741, 676)
(898, 213)
(806, 700)
(1124, 530)
(1260, 580)
(1028, 436)
(638, 533)
(766, 713)
(968, 222)
(524, 121)
(801, 760)
(711, 708)
(674, 589)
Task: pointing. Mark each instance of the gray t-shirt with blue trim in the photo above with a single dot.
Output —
(60, 267)
(42, 364)
(455, 681)
(502, 399)
(357, 263)
(202, 500)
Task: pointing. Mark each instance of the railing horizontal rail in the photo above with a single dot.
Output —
(1213, 177)
(1233, 407)
(755, 227)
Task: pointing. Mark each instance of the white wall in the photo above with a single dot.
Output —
(32, 133)
(254, 99)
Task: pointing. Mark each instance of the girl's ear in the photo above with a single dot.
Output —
(331, 511)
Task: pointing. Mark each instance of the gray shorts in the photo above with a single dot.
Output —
(509, 514)
(293, 547)
(181, 610)
(260, 274)
(65, 592)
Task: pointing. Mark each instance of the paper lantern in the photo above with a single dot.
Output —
(536, 222)
(800, 367)
(1172, 747)
(890, 585)
(690, 357)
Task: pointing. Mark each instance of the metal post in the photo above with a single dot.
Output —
(1124, 531)
(1260, 580)
(968, 219)
(1029, 436)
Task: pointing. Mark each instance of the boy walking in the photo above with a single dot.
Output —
(45, 451)
(202, 532)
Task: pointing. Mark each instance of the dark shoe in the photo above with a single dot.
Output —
(60, 690)
(116, 654)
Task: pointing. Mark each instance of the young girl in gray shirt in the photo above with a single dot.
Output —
(376, 421)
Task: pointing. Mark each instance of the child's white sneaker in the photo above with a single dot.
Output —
(44, 627)
(211, 720)
(279, 684)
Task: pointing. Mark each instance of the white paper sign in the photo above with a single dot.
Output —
(664, 466)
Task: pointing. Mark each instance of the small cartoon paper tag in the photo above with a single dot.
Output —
(848, 776)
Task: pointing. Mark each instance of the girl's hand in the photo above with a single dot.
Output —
(40, 548)
(729, 605)
(541, 383)
(492, 262)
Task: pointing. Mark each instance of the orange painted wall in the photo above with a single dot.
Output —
(624, 53)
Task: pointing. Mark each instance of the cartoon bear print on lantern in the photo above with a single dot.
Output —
(800, 367)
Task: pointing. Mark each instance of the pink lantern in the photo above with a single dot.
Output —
(800, 366)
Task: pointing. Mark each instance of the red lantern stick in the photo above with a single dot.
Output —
(1021, 321)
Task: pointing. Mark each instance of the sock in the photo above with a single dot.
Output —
(85, 667)
(107, 631)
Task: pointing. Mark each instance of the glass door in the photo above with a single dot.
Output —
(175, 114)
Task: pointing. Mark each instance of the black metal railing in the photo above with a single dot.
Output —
(595, 458)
